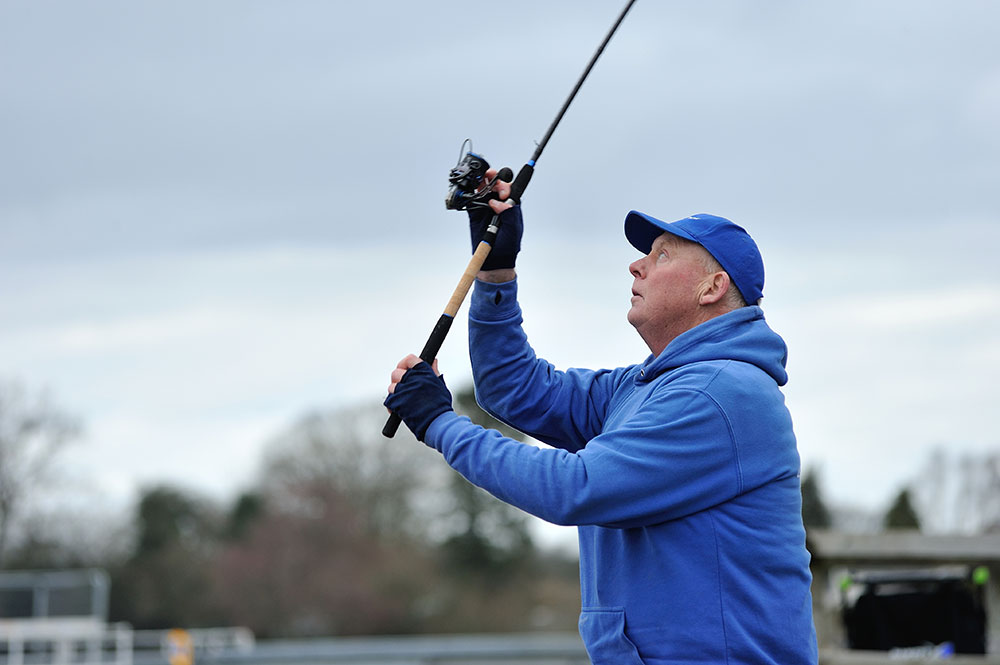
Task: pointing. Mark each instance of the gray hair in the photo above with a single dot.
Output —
(733, 298)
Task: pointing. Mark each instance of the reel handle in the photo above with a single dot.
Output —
(505, 174)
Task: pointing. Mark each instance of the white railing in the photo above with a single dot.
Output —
(201, 642)
(64, 641)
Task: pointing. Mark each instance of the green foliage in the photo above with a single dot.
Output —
(165, 579)
(246, 511)
(167, 517)
(494, 540)
(901, 514)
(814, 511)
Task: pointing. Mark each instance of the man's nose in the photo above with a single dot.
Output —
(636, 268)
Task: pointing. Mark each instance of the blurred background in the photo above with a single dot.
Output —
(222, 224)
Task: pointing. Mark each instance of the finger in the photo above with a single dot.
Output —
(408, 362)
(397, 375)
(499, 206)
(395, 378)
(487, 177)
(502, 189)
(434, 366)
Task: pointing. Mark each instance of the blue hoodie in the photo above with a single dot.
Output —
(681, 473)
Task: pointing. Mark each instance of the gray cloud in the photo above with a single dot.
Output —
(180, 174)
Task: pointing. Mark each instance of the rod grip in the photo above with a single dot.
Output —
(521, 182)
(391, 426)
(428, 354)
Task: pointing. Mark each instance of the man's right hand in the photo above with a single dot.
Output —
(501, 187)
(503, 253)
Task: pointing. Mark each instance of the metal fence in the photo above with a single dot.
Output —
(49, 642)
(519, 649)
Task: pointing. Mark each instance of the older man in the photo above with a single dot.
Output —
(681, 471)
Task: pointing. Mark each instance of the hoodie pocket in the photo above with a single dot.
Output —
(603, 633)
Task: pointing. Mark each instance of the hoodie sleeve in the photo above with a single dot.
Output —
(673, 457)
(562, 409)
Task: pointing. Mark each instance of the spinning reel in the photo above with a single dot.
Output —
(466, 179)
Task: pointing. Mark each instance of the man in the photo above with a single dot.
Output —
(681, 472)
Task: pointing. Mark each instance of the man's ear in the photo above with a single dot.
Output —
(714, 288)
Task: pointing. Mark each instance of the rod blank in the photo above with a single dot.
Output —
(440, 331)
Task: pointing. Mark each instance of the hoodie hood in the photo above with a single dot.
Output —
(741, 335)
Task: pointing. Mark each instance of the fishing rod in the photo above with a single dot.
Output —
(466, 192)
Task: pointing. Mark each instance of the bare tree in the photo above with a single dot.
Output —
(959, 492)
(32, 432)
(343, 452)
(336, 545)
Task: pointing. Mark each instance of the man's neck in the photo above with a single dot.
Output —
(660, 342)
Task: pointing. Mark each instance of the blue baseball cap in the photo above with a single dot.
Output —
(729, 243)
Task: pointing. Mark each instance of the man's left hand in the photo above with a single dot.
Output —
(417, 394)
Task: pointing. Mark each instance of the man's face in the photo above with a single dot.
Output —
(665, 291)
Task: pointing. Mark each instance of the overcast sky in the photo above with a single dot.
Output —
(215, 217)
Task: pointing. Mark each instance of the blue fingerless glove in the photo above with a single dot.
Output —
(419, 398)
(503, 254)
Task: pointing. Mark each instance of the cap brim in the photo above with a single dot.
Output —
(641, 230)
